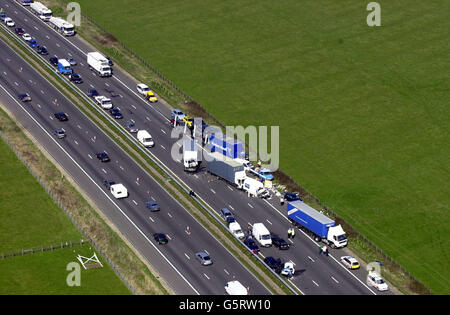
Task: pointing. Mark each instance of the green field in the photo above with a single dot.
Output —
(363, 112)
(29, 218)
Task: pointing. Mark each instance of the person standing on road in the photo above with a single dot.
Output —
(289, 233)
(292, 233)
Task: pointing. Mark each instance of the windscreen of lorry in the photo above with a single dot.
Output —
(265, 237)
(106, 69)
(342, 237)
(47, 14)
(68, 29)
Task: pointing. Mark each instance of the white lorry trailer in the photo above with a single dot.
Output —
(226, 168)
(190, 156)
(62, 26)
(99, 64)
(41, 11)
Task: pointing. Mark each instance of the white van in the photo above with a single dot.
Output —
(255, 188)
(145, 138)
(247, 164)
(262, 235)
(235, 228)
(235, 288)
(118, 191)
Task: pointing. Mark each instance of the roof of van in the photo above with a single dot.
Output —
(64, 62)
(235, 288)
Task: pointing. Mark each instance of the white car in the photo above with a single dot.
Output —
(375, 280)
(104, 102)
(26, 37)
(235, 288)
(118, 191)
(142, 88)
(236, 230)
(9, 22)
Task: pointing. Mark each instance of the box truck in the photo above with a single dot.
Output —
(320, 226)
(145, 138)
(255, 188)
(190, 156)
(261, 234)
(41, 11)
(225, 145)
(225, 168)
(99, 64)
(64, 66)
(62, 26)
(118, 191)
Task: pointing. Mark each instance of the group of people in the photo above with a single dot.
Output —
(324, 250)
(291, 233)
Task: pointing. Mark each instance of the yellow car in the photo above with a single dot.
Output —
(350, 262)
(151, 96)
(189, 121)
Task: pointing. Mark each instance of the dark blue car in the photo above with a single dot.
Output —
(42, 50)
(115, 112)
(92, 93)
(75, 77)
(251, 244)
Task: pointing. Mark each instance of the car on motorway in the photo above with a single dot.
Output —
(33, 43)
(350, 262)
(103, 157)
(203, 258)
(131, 127)
(115, 112)
(61, 116)
(230, 219)
(104, 102)
(54, 61)
(224, 213)
(25, 97)
(26, 37)
(161, 238)
(2, 15)
(153, 206)
(19, 31)
(71, 61)
(178, 113)
(151, 97)
(288, 196)
(92, 93)
(279, 242)
(108, 183)
(376, 281)
(235, 288)
(274, 264)
(42, 50)
(251, 244)
(76, 78)
(60, 133)
(9, 22)
(142, 88)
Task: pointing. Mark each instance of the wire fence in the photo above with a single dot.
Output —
(41, 249)
(72, 219)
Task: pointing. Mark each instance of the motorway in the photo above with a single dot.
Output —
(316, 274)
(77, 154)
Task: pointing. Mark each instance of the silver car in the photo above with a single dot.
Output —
(130, 126)
(203, 258)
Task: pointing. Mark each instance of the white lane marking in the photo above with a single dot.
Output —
(162, 146)
(121, 167)
(4, 73)
(153, 198)
(82, 64)
(187, 256)
(106, 84)
(58, 45)
(16, 83)
(269, 222)
(212, 191)
(230, 188)
(104, 170)
(15, 12)
(134, 201)
(79, 127)
(359, 280)
(226, 272)
(231, 207)
(163, 131)
(36, 28)
(334, 279)
(147, 118)
(206, 276)
(315, 283)
(106, 195)
(90, 156)
(48, 37)
(196, 176)
(168, 237)
(133, 106)
(39, 105)
(290, 240)
(75, 142)
(250, 205)
(169, 214)
(311, 259)
(91, 85)
(42, 92)
(151, 219)
(30, 81)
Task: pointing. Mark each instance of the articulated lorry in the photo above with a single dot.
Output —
(41, 11)
(226, 168)
(320, 226)
(190, 156)
(62, 26)
(99, 64)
